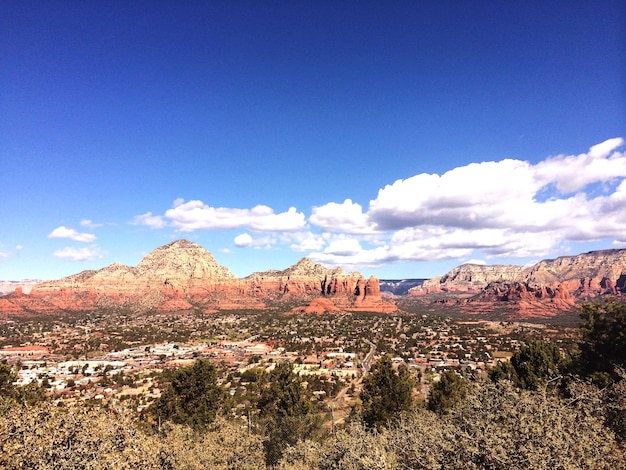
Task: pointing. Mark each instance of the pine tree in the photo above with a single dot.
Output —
(531, 367)
(603, 345)
(447, 392)
(386, 393)
(287, 413)
(193, 398)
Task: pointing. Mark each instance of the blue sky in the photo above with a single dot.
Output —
(398, 139)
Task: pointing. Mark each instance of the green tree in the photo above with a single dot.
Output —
(386, 393)
(603, 338)
(531, 367)
(447, 392)
(288, 413)
(193, 398)
(11, 394)
(7, 379)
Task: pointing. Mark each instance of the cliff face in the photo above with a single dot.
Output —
(469, 278)
(183, 275)
(543, 289)
(587, 275)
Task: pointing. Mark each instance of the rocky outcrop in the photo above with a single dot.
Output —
(587, 275)
(309, 280)
(184, 276)
(544, 289)
(469, 278)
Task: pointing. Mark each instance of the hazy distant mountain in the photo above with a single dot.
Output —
(6, 287)
(399, 286)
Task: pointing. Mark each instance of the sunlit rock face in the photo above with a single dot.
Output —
(470, 278)
(183, 275)
(546, 288)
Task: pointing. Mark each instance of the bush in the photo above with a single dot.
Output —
(75, 437)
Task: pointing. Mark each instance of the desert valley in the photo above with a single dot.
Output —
(116, 337)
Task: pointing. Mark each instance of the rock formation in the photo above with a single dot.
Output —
(184, 276)
(469, 278)
(545, 288)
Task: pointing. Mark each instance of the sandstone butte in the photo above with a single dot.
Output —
(183, 275)
(543, 289)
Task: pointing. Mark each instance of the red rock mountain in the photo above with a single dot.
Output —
(543, 289)
(183, 275)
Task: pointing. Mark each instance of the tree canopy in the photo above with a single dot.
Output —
(287, 412)
(194, 396)
(531, 367)
(447, 392)
(386, 393)
(603, 338)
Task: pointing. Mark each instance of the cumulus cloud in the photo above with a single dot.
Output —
(64, 232)
(492, 209)
(80, 254)
(196, 215)
(344, 247)
(571, 173)
(4, 254)
(149, 220)
(244, 240)
(347, 217)
(508, 208)
(305, 241)
(481, 262)
(470, 196)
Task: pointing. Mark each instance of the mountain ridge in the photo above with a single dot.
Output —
(183, 275)
(543, 289)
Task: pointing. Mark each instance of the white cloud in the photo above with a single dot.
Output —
(480, 262)
(89, 224)
(305, 241)
(469, 196)
(63, 232)
(80, 254)
(19, 247)
(344, 247)
(366, 258)
(570, 173)
(195, 215)
(149, 220)
(4, 254)
(503, 209)
(347, 217)
(493, 209)
(243, 240)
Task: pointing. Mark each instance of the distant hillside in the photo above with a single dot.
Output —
(544, 289)
(399, 286)
(183, 275)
